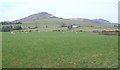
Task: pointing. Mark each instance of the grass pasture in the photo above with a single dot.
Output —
(59, 50)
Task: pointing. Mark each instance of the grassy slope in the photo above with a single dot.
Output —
(57, 49)
(55, 22)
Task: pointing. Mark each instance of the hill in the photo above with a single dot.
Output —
(102, 21)
(45, 15)
(38, 16)
(44, 19)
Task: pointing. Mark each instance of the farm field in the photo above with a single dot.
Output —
(59, 50)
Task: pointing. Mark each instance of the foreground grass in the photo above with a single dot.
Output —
(0, 50)
(57, 49)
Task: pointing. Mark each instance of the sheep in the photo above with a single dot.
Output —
(12, 32)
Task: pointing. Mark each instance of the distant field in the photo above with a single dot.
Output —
(59, 49)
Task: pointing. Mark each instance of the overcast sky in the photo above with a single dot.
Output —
(15, 9)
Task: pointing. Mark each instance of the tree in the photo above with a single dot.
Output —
(7, 28)
(18, 23)
(69, 27)
(36, 26)
(10, 28)
(17, 27)
(8, 23)
(63, 25)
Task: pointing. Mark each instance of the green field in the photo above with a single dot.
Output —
(59, 50)
(0, 50)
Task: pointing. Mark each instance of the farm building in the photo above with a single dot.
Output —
(75, 26)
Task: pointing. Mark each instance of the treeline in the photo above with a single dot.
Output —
(118, 25)
(8, 23)
(10, 28)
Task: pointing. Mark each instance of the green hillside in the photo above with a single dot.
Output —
(46, 22)
(55, 23)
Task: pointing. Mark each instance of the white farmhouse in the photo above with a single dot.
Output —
(74, 26)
